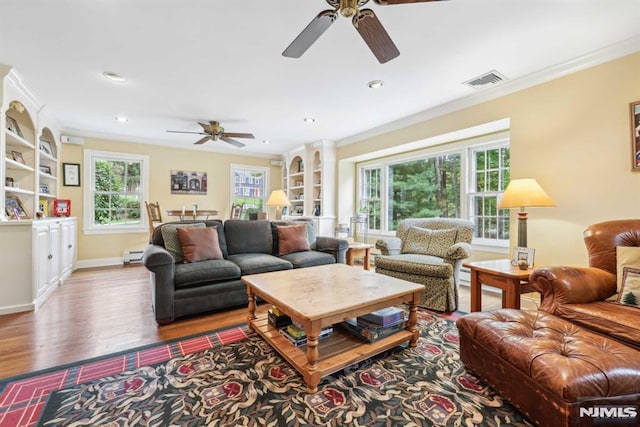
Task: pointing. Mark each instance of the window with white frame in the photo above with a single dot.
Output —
(490, 174)
(249, 188)
(117, 185)
(459, 180)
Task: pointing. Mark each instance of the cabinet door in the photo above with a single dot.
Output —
(54, 250)
(43, 258)
(67, 248)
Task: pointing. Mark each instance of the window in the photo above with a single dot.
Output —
(249, 188)
(489, 178)
(463, 180)
(117, 184)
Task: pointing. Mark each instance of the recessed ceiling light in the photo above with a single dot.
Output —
(266, 141)
(122, 119)
(375, 84)
(115, 77)
(309, 120)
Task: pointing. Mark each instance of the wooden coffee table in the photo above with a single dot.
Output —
(322, 296)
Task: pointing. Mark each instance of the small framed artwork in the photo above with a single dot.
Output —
(12, 125)
(8, 181)
(17, 156)
(45, 169)
(635, 135)
(44, 188)
(14, 208)
(62, 207)
(45, 146)
(71, 174)
(523, 254)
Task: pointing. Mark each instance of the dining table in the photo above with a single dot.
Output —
(190, 213)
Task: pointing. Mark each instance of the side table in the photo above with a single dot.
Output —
(357, 250)
(499, 274)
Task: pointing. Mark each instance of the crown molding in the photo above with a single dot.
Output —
(609, 53)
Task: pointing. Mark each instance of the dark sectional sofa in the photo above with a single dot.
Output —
(248, 247)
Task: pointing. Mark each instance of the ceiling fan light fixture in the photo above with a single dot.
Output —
(114, 77)
(375, 84)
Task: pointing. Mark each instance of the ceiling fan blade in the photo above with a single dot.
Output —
(389, 2)
(203, 140)
(238, 135)
(205, 126)
(375, 36)
(232, 142)
(181, 131)
(310, 34)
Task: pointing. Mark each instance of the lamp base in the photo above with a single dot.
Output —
(278, 213)
(522, 229)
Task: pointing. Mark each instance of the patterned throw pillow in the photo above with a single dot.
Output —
(199, 244)
(292, 238)
(171, 241)
(626, 256)
(417, 241)
(441, 241)
(630, 292)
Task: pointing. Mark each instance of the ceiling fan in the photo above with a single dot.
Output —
(214, 132)
(365, 21)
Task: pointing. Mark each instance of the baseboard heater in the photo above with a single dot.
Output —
(133, 257)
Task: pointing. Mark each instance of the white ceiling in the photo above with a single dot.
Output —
(199, 60)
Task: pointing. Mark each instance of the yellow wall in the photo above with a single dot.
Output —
(573, 135)
(162, 161)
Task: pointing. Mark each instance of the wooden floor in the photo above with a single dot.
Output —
(95, 312)
(101, 311)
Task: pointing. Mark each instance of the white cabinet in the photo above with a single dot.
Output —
(34, 257)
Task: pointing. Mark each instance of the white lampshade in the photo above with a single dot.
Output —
(525, 192)
(278, 198)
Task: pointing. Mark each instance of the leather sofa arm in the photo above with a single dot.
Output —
(336, 247)
(389, 245)
(571, 285)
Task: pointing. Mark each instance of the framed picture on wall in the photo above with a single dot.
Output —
(635, 135)
(71, 174)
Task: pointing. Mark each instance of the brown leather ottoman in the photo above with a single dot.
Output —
(549, 368)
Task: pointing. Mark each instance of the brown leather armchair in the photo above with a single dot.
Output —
(586, 295)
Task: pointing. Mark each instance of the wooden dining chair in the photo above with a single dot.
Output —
(154, 216)
(236, 211)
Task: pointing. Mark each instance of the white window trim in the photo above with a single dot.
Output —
(89, 180)
(264, 170)
(464, 148)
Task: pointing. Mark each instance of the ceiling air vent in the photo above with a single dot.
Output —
(491, 78)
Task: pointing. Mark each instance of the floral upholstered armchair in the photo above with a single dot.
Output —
(428, 251)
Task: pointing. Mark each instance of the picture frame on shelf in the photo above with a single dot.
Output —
(634, 108)
(44, 188)
(523, 254)
(45, 146)
(43, 207)
(13, 126)
(71, 174)
(62, 207)
(13, 207)
(17, 156)
(8, 181)
(45, 169)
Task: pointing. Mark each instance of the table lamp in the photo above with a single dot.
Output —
(524, 193)
(278, 199)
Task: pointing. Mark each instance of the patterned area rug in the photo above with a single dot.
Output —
(245, 382)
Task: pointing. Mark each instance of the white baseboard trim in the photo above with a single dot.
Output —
(99, 262)
(17, 308)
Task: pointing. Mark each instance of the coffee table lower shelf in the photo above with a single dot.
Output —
(335, 352)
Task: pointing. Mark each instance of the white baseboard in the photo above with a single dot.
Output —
(16, 308)
(99, 262)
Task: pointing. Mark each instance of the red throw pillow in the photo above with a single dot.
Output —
(199, 244)
(292, 238)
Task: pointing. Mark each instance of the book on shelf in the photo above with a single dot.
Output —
(302, 340)
(371, 332)
(385, 316)
(277, 319)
